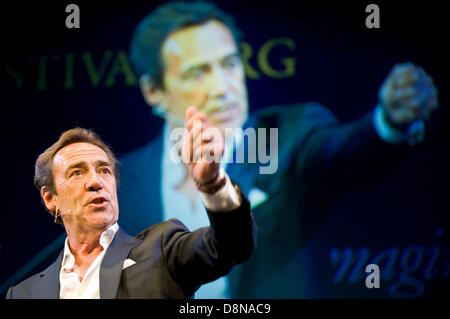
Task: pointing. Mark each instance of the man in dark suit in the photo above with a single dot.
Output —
(187, 54)
(78, 178)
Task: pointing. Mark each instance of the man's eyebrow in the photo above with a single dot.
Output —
(82, 164)
(232, 55)
(194, 67)
(102, 163)
(205, 65)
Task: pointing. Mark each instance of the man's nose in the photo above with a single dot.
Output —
(93, 183)
(218, 83)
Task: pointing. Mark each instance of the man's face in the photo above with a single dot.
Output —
(85, 186)
(203, 68)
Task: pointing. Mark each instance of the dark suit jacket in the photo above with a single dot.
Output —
(171, 262)
(318, 159)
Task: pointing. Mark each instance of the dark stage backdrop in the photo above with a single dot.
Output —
(54, 78)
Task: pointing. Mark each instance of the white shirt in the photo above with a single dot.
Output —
(89, 288)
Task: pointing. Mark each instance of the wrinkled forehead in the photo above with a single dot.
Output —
(198, 44)
(78, 152)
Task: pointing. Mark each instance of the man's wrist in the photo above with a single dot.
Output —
(412, 134)
(227, 198)
(216, 183)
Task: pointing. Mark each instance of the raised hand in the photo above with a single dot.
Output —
(202, 150)
(407, 94)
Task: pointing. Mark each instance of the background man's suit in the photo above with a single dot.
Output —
(318, 159)
(171, 262)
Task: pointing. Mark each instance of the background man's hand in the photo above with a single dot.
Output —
(407, 94)
(202, 148)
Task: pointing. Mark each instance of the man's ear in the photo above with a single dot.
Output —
(49, 198)
(153, 95)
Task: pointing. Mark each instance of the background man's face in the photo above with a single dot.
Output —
(203, 68)
(82, 173)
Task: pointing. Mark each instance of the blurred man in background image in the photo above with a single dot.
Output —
(187, 54)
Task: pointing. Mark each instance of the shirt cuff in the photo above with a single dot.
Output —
(224, 200)
(414, 134)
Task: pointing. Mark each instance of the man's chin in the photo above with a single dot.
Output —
(227, 127)
(101, 218)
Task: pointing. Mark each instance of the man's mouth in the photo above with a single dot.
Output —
(225, 114)
(98, 202)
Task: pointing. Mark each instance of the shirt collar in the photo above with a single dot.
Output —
(105, 240)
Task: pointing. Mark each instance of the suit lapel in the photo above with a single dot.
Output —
(151, 188)
(243, 173)
(151, 169)
(257, 190)
(140, 191)
(48, 287)
(111, 267)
